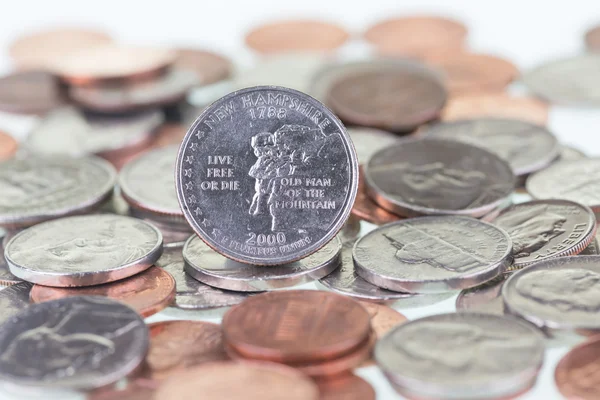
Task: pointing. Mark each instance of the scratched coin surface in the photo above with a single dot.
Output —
(83, 250)
(543, 229)
(368, 141)
(30, 92)
(78, 343)
(526, 147)
(266, 175)
(576, 374)
(486, 298)
(273, 326)
(461, 356)
(561, 293)
(14, 299)
(438, 176)
(36, 189)
(432, 254)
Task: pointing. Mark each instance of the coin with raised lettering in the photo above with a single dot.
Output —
(83, 343)
(486, 298)
(211, 268)
(461, 356)
(423, 176)
(14, 299)
(576, 374)
(368, 141)
(30, 92)
(84, 250)
(266, 175)
(432, 254)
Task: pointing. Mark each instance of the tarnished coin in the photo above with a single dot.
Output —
(347, 387)
(8, 146)
(397, 97)
(576, 374)
(432, 254)
(569, 81)
(208, 66)
(211, 268)
(366, 209)
(592, 39)
(486, 298)
(543, 229)
(461, 356)
(30, 92)
(558, 294)
(568, 153)
(301, 35)
(266, 175)
(14, 299)
(79, 343)
(438, 176)
(84, 250)
(35, 189)
(525, 146)
(368, 141)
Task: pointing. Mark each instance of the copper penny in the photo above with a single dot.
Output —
(498, 105)
(30, 92)
(383, 318)
(113, 64)
(8, 146)
(397, 97)
(287, 326)
(238, 381)
(289, 36)
(577, 374)
(416, 36)
(41, 50)
(147, 292)
(474, 73)
(345, 387)
(210, 67)
(134, 390)
(366, 209)
(592, 39)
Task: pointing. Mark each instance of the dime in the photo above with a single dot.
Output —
(397, 96)
(368, 141)
(259, 328)
(568, 81)
(486, 298)
(8, 146)
(239, 381)
(496, 105)
(14, 299)
(209, 67)
(417, 36)
(592, 39)
(190, 293)
(366, 209)
(576, 374)
(301, 35)
(35, 189)
(568, 153)
(147, 292)
(347, 387)
(432, 254)
(461, 356)
(211, 268)
(78, 343)
(543, 229)
(559, 294)
(438, 176)
(84, 250)
(266, 175)
(30, 92)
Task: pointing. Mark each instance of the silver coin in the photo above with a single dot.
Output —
(562, 293)
(461, 356)
(568, 153)
(35, 190)
(436, 176)
(486, 298)
(526, 147)
(368, 141)
(543, 229)
(83, 251)
(14, 299)
(70, 132)
(81, 342)
(211, 268)
(432, 254)
(266, 175)
(173, 235)
(192, 294)
(350, 230)
(569, 81)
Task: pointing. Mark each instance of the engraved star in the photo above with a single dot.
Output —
(206, 222)
(193, 146)
(198, 211)
(200, 134)
(192, 199)
(187, 172)
(189, 186)
(189, 159)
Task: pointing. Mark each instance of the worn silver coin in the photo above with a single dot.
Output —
(266, 175)
(461, 356)
(486, 298)
(542, 229)
(38, 189)
(432, 254)
(568, 153)
(368, 141)
(14, 299)
(428, 176)
(81, 342)
(211, 268)
(525, 146)
(192, 294)
(83, 250)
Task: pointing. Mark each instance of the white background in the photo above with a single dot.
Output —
(526, 32)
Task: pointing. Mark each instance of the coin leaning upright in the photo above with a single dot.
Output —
(266, 175)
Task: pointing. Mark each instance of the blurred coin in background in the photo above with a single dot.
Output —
(30, 92)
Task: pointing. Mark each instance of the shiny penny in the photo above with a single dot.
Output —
(8, 146)
(30, 92)
(345, 387)
(366, 209)
(577, 373)
(208, 66)
(260, 326)
(486, 298)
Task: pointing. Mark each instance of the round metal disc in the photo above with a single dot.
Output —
(14, 299)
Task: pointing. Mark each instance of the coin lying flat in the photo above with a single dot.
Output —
(266, 175)
(568, 153)
(36, 189)
(80, 343)
(525, 146)
(461, 356)
(84, 250)
(368, 141)
(211, 268)
(486, 298)
(575, 374)
(30, 92)
(14, 299)
(432, 254)
(366, 209)
(8, 146)
(209, 67)
(347, 387)
(438, 176)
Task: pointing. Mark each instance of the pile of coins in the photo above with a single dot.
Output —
(116, 207)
